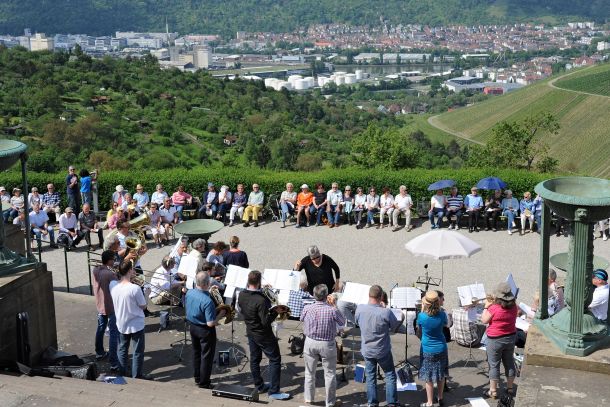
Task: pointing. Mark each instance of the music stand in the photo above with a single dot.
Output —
(405, 361)
(184, 341)
(234, 350)
(427, 280)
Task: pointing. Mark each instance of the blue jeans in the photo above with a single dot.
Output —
(287, 209)
(320, 211)
(74, 201)
(87, 198)
(333, 220)
(9, 213)
(387, 365)
(179, 209)
(223, 208)
(109, 321)
(510, 215)
(272, 351)
(38, 233)
(138, 353)
(370, 216)
(438, 212)
(203, 211)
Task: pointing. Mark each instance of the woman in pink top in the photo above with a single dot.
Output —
(501, 315)
(180, 199)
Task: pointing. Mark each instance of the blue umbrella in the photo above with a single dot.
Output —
(491, 183)
(442, 184)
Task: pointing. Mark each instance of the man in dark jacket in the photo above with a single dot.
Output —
(255, 308)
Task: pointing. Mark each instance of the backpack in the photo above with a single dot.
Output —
(506, 400)
(297, 344)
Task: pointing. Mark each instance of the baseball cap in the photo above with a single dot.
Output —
(601, 274)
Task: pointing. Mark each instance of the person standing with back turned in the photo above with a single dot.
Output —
(376, 322)
(258, 316)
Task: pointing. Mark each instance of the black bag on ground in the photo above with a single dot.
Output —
(87, 371)
(506, 400)
(297, 344)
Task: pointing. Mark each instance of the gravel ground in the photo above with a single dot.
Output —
(367, 256)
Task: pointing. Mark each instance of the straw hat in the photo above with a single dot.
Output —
(430, 297)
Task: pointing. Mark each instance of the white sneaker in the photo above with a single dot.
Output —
(450, 227)
(510, 232)
(605, 237)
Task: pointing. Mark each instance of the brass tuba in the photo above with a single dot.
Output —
(283, 311)
(221, 306)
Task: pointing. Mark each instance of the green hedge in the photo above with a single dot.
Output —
(195, 181)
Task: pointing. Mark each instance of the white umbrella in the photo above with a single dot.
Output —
(442, 244)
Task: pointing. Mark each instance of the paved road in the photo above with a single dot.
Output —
(368, 256)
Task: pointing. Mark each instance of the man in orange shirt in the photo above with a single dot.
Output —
(304, 201)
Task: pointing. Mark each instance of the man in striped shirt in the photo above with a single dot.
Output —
(455, 207)
(320, 322)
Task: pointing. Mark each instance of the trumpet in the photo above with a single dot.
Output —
(221, 306)
(283, 311)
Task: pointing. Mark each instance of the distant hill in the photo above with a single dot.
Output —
(102, 17)
(582, 145)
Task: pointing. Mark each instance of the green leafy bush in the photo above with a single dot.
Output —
(195, 181)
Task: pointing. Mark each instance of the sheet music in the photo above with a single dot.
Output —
(468, 292)
(405, 297)
(188, 267)
(522, 324)
(229, 292)
(283, 297)
(513, 286)
(236, 277)
(282, 279)
(477, 402)
(527, 309)
(356, 293)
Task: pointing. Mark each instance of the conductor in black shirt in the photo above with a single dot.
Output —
(258, 316)
(319, 269)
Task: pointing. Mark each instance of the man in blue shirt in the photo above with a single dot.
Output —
(73, 189)
(376, 323)
(473, 204)
(201, 313)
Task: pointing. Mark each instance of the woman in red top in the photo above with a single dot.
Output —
(180, 199)
(501, 315)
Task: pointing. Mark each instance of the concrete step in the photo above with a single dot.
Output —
(63, 391)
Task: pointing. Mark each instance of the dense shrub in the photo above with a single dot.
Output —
(195, 181)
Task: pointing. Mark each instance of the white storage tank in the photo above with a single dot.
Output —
(350, 78)
(270, 82)
(340, 79)
(300, 84)
(293, 78)
(359, 74)
(311, 81)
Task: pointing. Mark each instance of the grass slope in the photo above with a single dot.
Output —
(582, 145)
(595, 80)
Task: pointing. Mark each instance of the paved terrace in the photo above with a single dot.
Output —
(366, 256)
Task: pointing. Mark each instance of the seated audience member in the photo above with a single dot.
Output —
(256, 199)
(402, 204)
(118, 194)
(599, 304)
(455, 209)
(238, 205)
(129, 206)
(333, 205)
(86, 195)
(319, 203)
(159, 195)
(142, 199)
(438, 202)
(156, 225)
(493, 209)
(180, 199)
(169, 217)
(474, 205)
(537, 211)
(359, 206)
(67, 229)
(555, 299)
(6, 199)
(224, 203)
(304, 202)
(34, 198)
(118, 215)
(88, 223)
(372, 207)
(347, 203)
(288, 200)
(39, 222)
(164, 288)
(386, 205)
(51, 201)
(17, 202)
(510, 208)
(601, 227)
(235, 256)
(19, 221)
(526, 206)
(209, 203)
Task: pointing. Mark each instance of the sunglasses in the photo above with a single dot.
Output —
(316, 258)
